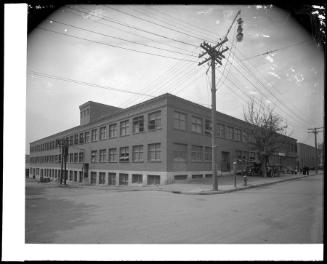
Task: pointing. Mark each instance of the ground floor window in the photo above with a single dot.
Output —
(180, 177)
(93, 177)
(112, 178)
(75, 176)
(70, 175)
(137, 178)
(208, 175)
(123, 179)
(102, 177)
(80, 176)
(153, 179)
(197, 176)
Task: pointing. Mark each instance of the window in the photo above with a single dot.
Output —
(136, 178)
(102, 176)
(179, 121)
(238, 154)
(81, 157)
(76, 157)
(111, 178)
(245, 136)
(137, 153)
(124, 125)
(94, 135)
(93, 156)
(207, 127)
(196, 124)
(112, 130)
(71, 140)
(245, 155)
(207, 153)
(71, 175)
(123, 179)
(196, 153)
(81, 138)
(180, 152)
(221, 130)
(87, 137)
(93, 177)
(138, 124)
(229, 133)
(103, 131)
(102, 155)
(76, 139)
(251, 138)
(252, 156)
(237, 135)
(154, 152)
(154, 120)
(124, 154)
(112, 155)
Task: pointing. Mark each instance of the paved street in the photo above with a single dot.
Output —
(287, 212)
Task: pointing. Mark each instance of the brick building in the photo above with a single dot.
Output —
(306, 156)
(155, 142)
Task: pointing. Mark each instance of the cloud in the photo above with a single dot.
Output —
(265, 36)
(217, 22)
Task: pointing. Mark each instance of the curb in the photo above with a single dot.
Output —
(237, 189)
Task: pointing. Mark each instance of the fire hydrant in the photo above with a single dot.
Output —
(245, 179)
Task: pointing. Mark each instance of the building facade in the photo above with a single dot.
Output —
(158, 141)
(306, 156)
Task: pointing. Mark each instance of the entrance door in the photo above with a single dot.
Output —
(153, 179)
(225, 161)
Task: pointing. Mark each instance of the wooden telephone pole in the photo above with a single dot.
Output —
(315, 131)
(216, 55)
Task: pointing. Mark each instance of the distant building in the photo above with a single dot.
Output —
(27, 165)
(305, 156)
(155, 142)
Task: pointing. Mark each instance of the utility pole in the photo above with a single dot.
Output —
(216, 55)
(315, 131)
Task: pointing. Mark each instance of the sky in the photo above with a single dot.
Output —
(128, 54)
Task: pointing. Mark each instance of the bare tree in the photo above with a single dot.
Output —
(266, 131)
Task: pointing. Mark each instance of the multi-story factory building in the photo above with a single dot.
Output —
(155, 142)
(306, 156)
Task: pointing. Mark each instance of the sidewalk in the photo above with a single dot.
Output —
(197, 186)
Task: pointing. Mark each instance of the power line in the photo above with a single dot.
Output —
(110, 36)
(157, 24)
(129, 26)
(114, 46)
(51, 76)
(128, 32)
(151, 15)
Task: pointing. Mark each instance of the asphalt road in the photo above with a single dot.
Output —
(288, 212)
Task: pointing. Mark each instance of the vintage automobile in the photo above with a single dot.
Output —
(44, 179)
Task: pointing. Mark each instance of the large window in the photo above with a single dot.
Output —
(124, 154)
(221, 130)
(154, 152)
(196, 124)
(94, 134)
(87, 137)
(196, 153)
(138, 124)
(81, 157)
(137, 153)
(102, 155)
(123, 179)
(244, 136)
(180, 152)
(237, 134)
(124, 125)
(207, 153)
(75, 157)
(252, 156)
(112, 130)
(112, 155)
(207, 127)
(179, 121)
(93, 156)
(103, 131)
(81, 138)
(76, 139)
(154, 120)
(230, 133)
